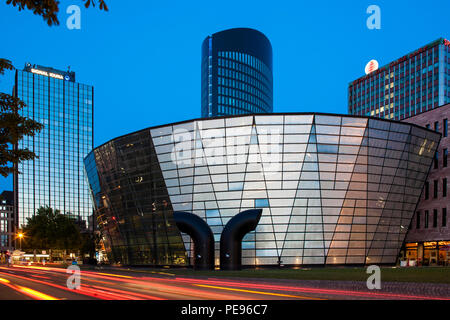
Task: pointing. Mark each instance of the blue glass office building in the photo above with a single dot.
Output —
(413, 84)
(237, 73)
(56, 177)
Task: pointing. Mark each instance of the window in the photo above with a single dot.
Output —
(444, 187)
(427, 126)
(444, 158)
(418, 220)
(444, 217)
(212, 213)
(436, 126)
(435, 191)
(261, 203)
(426, 218)
(445, 127)
(427, 190)
(436, 160)
(435, 218)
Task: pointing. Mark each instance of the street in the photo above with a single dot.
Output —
(50, 283)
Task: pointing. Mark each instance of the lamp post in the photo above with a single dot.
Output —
(20, 235)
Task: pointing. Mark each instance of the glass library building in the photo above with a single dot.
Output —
(260, 190)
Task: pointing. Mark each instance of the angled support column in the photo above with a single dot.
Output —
(202, 236)
(231, 238)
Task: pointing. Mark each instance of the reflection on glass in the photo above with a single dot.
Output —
(338, 194)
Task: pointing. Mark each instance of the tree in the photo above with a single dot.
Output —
(13, 127)
(48, 229)
(48, 9)
(90, 244)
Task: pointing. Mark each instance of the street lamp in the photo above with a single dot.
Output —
(20, 235)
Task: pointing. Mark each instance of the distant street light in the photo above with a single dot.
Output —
(20, 235)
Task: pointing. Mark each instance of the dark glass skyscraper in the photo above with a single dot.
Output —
(56, 178)
(236, 73)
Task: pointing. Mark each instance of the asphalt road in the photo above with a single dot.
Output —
(47, 283)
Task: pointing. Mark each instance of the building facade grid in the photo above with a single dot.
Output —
(56, 177)
(415, 83)
(333, 189)
(428, 240)
(236, 73)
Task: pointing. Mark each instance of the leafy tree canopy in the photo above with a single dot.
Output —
(49, 229)
(48, 9)
(13, 127)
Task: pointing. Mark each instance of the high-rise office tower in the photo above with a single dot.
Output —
(56, 178)
(236, 73)
(415, 83)
(7, 218)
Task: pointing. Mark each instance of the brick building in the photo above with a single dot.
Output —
(428, 238)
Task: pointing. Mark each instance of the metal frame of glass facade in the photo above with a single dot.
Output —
(56, 177)
(236, 73)
(134, 211)
(334, 189)
(415, 83)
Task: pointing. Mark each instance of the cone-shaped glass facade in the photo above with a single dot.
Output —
(334, 189)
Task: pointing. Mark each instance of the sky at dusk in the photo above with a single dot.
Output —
(143, 57)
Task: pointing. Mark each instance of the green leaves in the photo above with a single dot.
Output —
(48, 9)
(49, 229)
(5, 65)
(102, 4)
(13, 128)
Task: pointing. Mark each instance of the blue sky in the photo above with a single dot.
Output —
(143, 57)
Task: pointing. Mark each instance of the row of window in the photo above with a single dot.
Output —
(375, 100)
(437, 128)
(254, 80)
(413, 63)
(356, 99)
(397, 103)
(223, 110)
(242, 95)
(435, 189)
(444, 159)
(246, 74)
(233, 75)
(245, 86)
(426, 219)
(378, 83)
(247, 59)
(404, 106)
(236, 102)
(395, 86)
